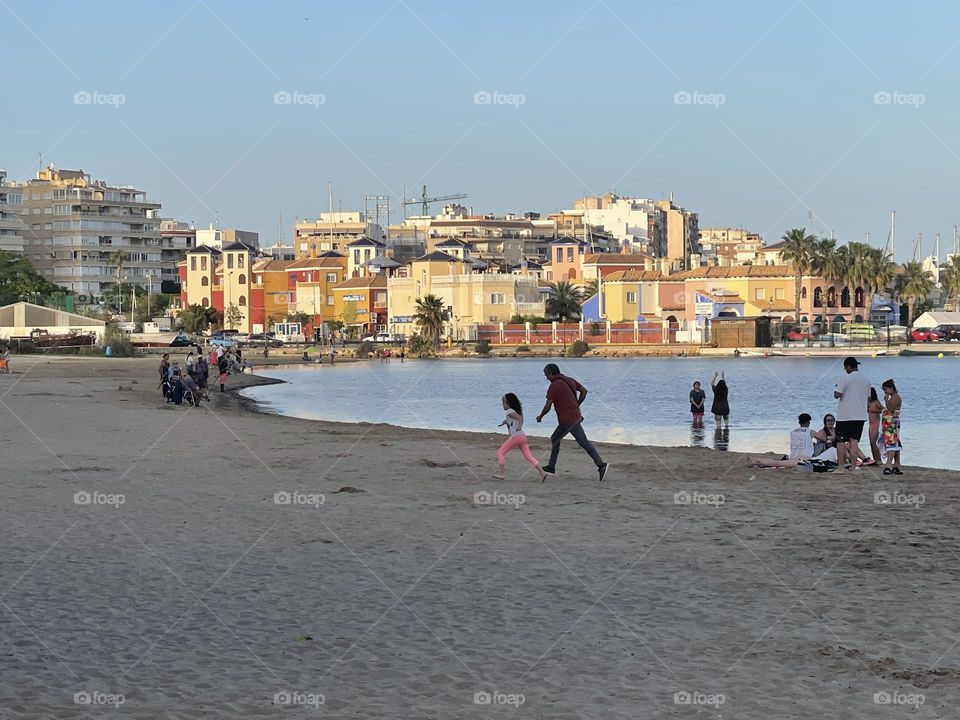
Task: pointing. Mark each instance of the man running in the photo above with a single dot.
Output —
(565, 395)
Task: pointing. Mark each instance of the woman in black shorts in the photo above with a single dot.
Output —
(721, 406)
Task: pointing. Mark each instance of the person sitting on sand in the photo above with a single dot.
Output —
(802, 449)
(5, 360)
(517, 438)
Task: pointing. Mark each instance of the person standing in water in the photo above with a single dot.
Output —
(721, 406)
(697, 399)
(565, 395)
(517, 437)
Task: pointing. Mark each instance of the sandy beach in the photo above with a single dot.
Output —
(219, 562)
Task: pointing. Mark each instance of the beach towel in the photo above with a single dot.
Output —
(890, 431)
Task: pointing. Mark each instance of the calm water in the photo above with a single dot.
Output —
(638, 401)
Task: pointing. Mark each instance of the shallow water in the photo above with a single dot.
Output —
(637, 401)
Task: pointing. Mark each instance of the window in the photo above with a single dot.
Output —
(496, 298)
(330, 299)
(331, 277)
(242, 301)
(239, 261)
(803, 293)
(569, 254)
(242, 279)
(759, 294)
(204, 281)
(205, 302)
(817, 297)
(779, 294)
(203, 262)
(559, 254)
(632, 298)
(356, 257)
(193, 262)
(229, 260)
(845, 298)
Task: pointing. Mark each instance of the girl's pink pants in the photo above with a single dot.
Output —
(517, 441)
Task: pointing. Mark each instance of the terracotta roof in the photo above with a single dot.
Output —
(634, 276)
(370, 281)
(616, 258)
(780, 304)
(316, 263)
(268, 264)
(737, 271)
(722, 299)
(673, 306)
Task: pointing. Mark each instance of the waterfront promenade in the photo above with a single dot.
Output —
(234, 580)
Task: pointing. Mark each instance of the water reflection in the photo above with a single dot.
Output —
(721, 439)
(698, 436)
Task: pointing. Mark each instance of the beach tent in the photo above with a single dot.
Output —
(18, 319)
(936, 318)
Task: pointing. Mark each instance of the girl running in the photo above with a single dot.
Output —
(517, 438)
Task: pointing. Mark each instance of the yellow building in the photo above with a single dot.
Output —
(470, 297)
(361, 302)
(741, 291)
(311, 283)
(201, 276)
(237, 279)
(271, 275)
(631, 295)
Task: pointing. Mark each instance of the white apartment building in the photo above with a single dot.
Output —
(333, 231)
(11, 227)
(219, 238)
(78, 228)
(636, 222)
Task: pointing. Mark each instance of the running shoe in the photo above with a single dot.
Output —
(549, 469)
(603, 470)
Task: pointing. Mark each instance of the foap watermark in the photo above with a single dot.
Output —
(695, 97)
(898, 497)
(95, 97)
(496, 697)
(694, 697)
(498, 498)
(85, 497)
(495, 97)
(295, 97)
(895, 97)
(95, 697)
(299, 498)
(892, 697)
(295, 698)
(692, 497)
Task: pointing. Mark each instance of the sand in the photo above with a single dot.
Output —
(772, 594)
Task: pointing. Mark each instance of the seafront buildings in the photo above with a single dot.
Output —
(11, 226)
(89, 235)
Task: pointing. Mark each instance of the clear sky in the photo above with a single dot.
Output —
(781, 114)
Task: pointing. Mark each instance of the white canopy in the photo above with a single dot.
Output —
(936, 318)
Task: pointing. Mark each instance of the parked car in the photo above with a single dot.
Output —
(181, 340)
(918, 335)
(262, 339)
(797, 334)
(383, 338)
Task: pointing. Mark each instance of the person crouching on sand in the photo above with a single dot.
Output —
(517, 437)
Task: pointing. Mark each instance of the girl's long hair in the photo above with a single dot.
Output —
(890, 384)
(873, 394)
(514, 402)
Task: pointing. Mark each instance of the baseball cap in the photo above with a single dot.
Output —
(850, 362)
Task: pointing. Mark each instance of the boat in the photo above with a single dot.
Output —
(43, 339)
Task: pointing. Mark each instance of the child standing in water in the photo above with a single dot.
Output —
(517, 438)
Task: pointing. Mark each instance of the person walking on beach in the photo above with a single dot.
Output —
(333, 352)
(721, 406)
(852, 392)
(189, 362)
(202, 374)
(517, 438)
(565, 395)
(890, 421)
(697, 398)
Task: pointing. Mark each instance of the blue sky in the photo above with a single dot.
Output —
(782, 119)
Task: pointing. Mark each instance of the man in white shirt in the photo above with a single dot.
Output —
(852, 391)
(801, 439)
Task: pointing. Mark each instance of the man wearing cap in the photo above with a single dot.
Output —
(852, 391)
(801, 439)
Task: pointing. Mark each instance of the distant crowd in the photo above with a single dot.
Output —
(190, 384)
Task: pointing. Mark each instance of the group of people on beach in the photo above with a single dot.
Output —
(836, 446)
(191, 382)
(564, 396)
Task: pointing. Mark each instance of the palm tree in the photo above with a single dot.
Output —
(564, 300)
(429, 318)
(914, 284)
(950, 281)
(825, 265)
(591, 288)
(880, 273)
(798, 248)
(858, 272)
(117, 259)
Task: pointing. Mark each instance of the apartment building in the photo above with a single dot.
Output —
(77, 228)
(219, 238)
(682, 233)
(728, 246)
(176, 239)
(11, 226)
(333, 232)
(638, 224)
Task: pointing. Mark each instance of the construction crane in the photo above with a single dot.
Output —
(425, 201)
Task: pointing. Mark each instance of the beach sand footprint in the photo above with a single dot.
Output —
(436, 464)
